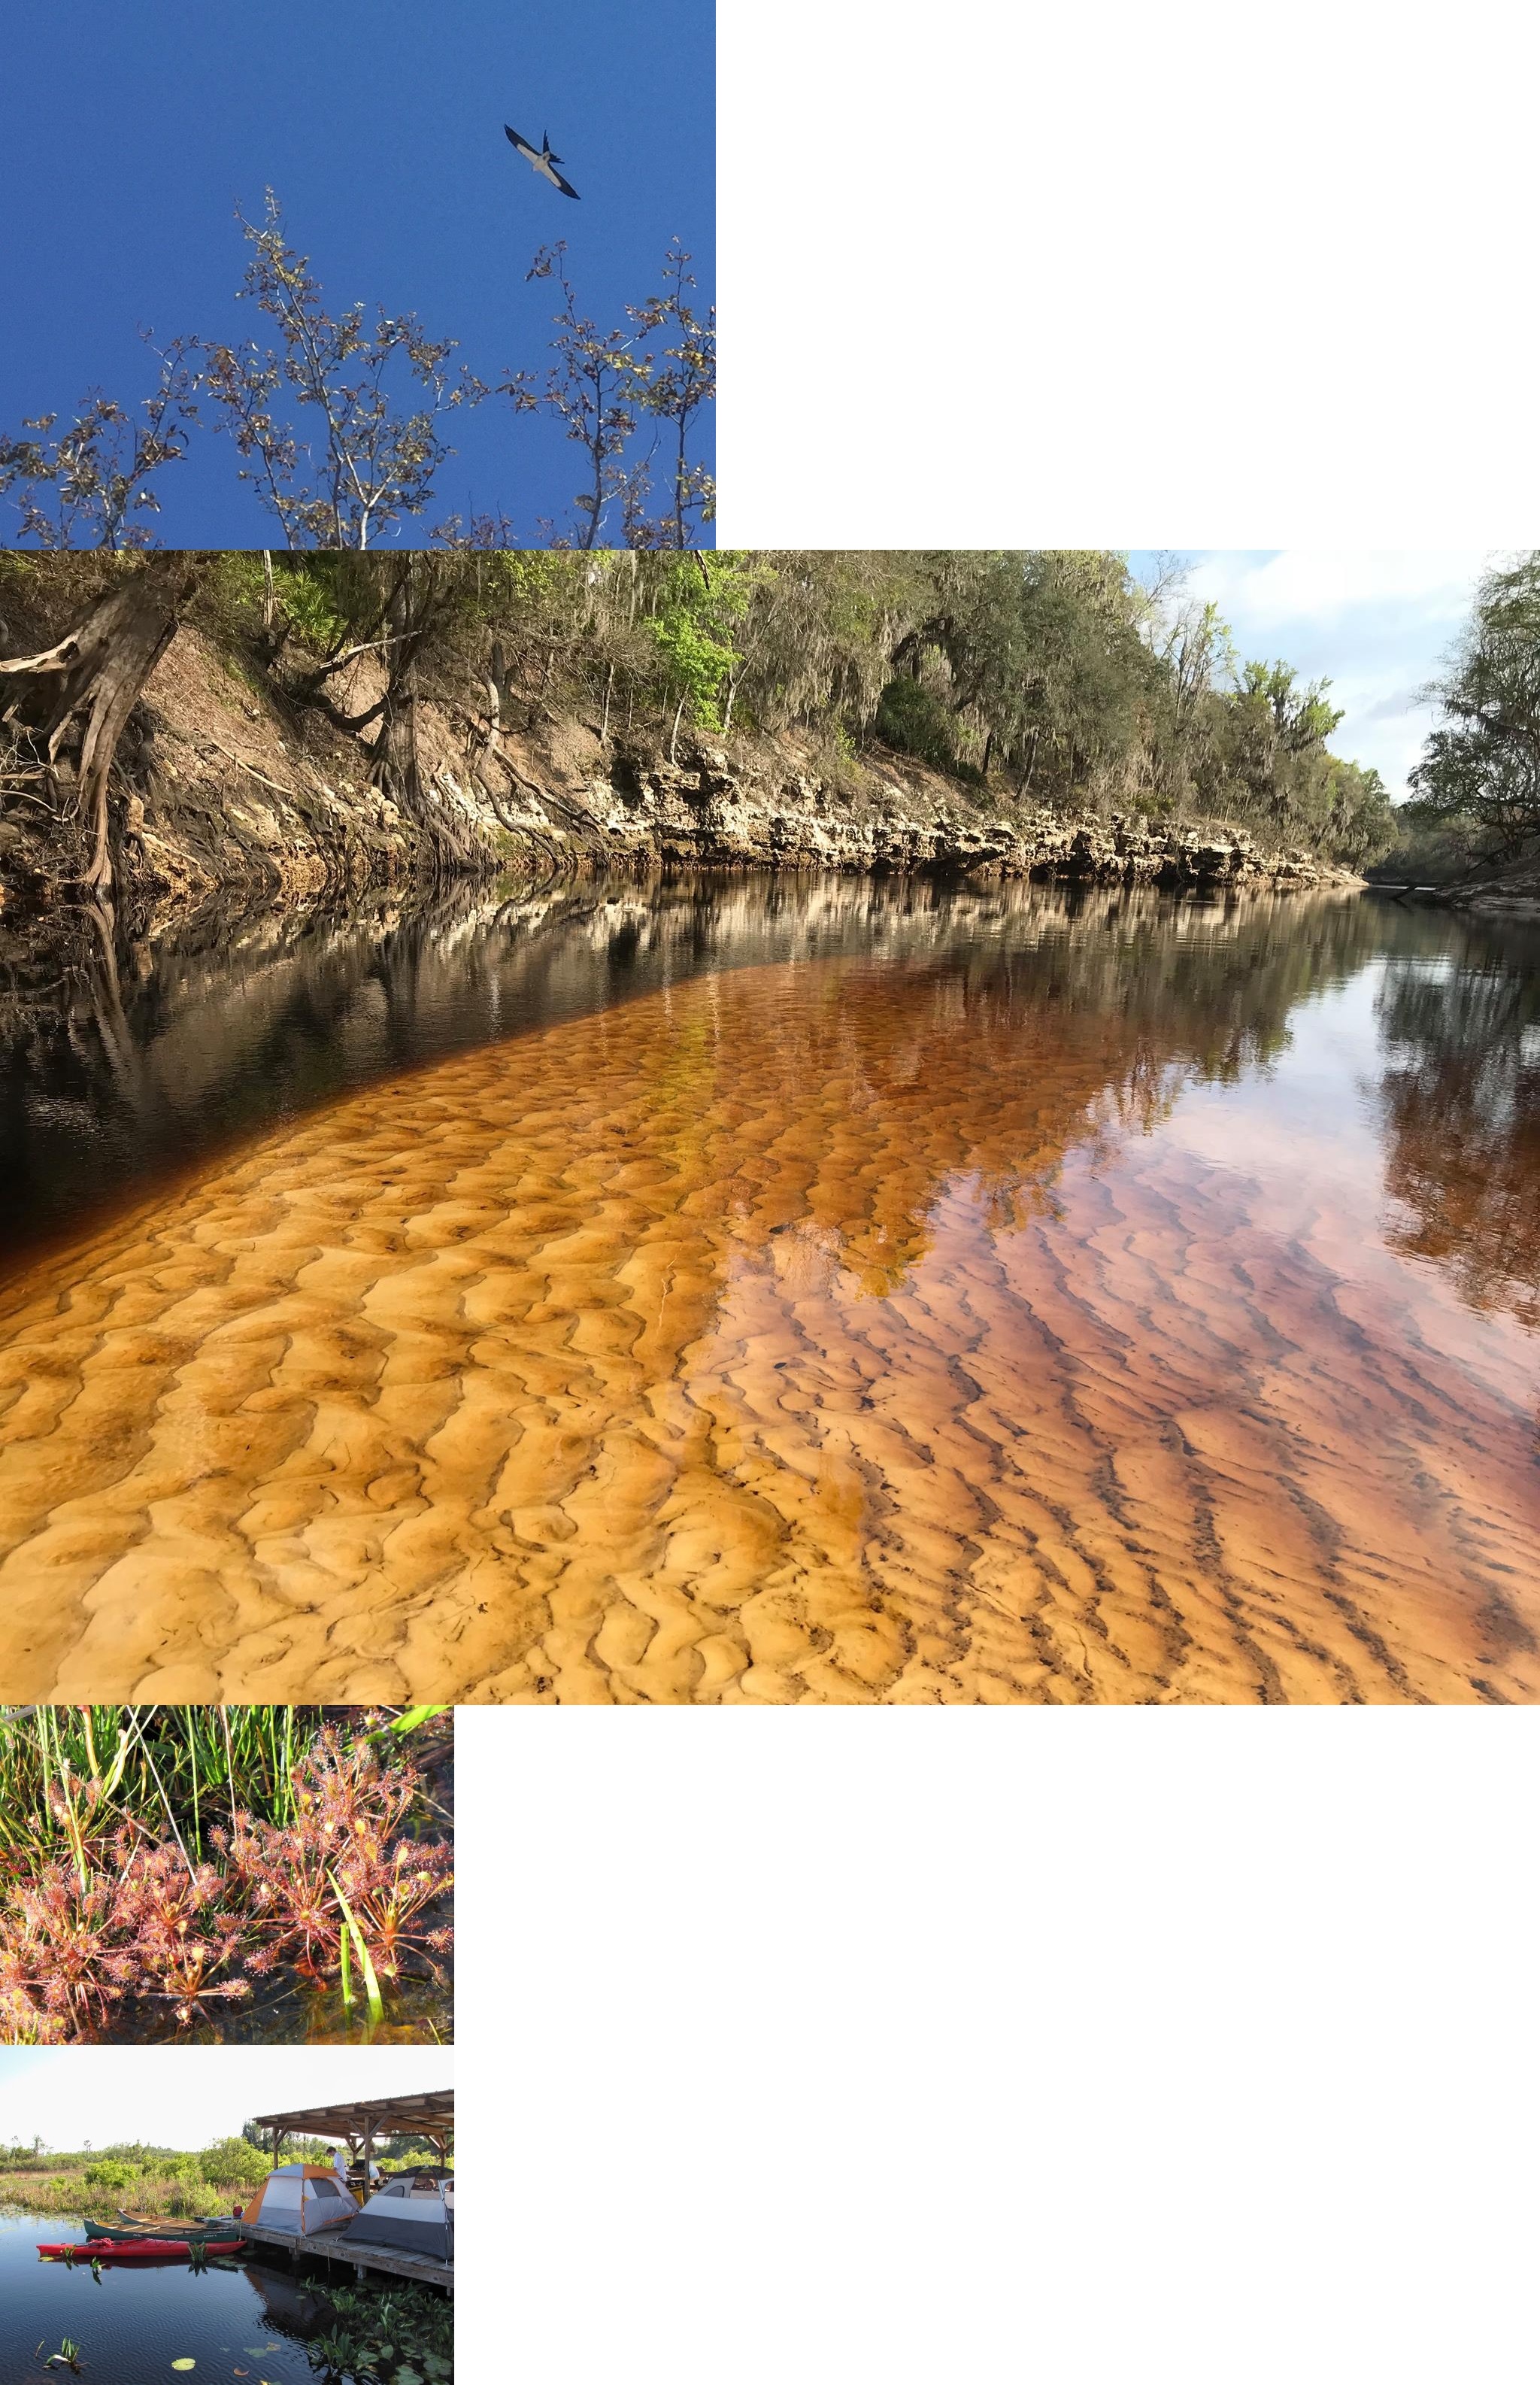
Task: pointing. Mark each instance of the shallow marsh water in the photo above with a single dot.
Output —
(251, 2320)
(804, 1290)
(417, 2011)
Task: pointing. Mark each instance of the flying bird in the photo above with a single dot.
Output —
(543, 159)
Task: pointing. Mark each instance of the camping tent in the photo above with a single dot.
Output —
(413, 2212)
(301, 2199)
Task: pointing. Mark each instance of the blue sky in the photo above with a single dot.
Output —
(189, 2097)
(132, 131)
(1376, 622)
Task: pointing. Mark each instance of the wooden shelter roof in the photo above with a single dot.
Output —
(431, 2114)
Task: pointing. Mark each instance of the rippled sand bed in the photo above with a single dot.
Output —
(808, 1333)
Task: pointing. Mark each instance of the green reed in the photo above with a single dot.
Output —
(158, 1765)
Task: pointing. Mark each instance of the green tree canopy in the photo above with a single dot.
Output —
(1482, 764)
(230, 2161)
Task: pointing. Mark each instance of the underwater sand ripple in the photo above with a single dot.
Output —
(794, 1335)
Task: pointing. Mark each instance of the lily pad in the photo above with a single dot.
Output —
(184, 2364)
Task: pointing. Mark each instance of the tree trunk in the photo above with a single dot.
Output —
(77, 699)
(396, 766)
(496, 683)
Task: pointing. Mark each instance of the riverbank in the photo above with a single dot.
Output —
(1512, 892)
(224, 787)
(1508, 888)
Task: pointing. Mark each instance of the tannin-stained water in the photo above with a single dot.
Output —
(1139, 1307)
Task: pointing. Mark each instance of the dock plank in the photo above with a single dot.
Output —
(357, 2257)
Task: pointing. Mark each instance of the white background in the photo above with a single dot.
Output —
(1190, 275)
(857, 2047)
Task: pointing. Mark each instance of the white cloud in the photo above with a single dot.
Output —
(1377, 622)
(1321, 584)
(187, 2096)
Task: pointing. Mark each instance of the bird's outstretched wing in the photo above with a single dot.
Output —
(563, 185)
(524, 148)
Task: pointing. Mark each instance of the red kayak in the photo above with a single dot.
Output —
(134, 2247)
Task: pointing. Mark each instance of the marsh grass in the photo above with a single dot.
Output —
(180, 1764)
(66, 2193)
(152, 2181)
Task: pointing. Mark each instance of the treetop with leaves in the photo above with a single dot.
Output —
(341, 420)
(374, 453)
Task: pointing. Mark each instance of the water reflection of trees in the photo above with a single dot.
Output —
(1461, 1094)
(1026, 1033)
(119, 1066)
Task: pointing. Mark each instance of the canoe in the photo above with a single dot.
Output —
(139, 2248)
(191, 2231)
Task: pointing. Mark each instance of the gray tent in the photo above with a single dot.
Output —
(299, 2199)
(411, 2212)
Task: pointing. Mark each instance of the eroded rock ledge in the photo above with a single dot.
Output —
(708, 807)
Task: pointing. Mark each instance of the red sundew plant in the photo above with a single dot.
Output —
(58, 1958)
(185, 1931)
(127, 1917)
(139, 1923)
(348, 1813)
(389, 1895)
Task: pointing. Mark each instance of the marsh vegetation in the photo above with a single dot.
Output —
(263, 1872)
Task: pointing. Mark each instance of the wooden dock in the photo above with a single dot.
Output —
(357, 2257)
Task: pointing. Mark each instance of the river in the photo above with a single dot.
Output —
(135, 2320)
(772, 1290)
